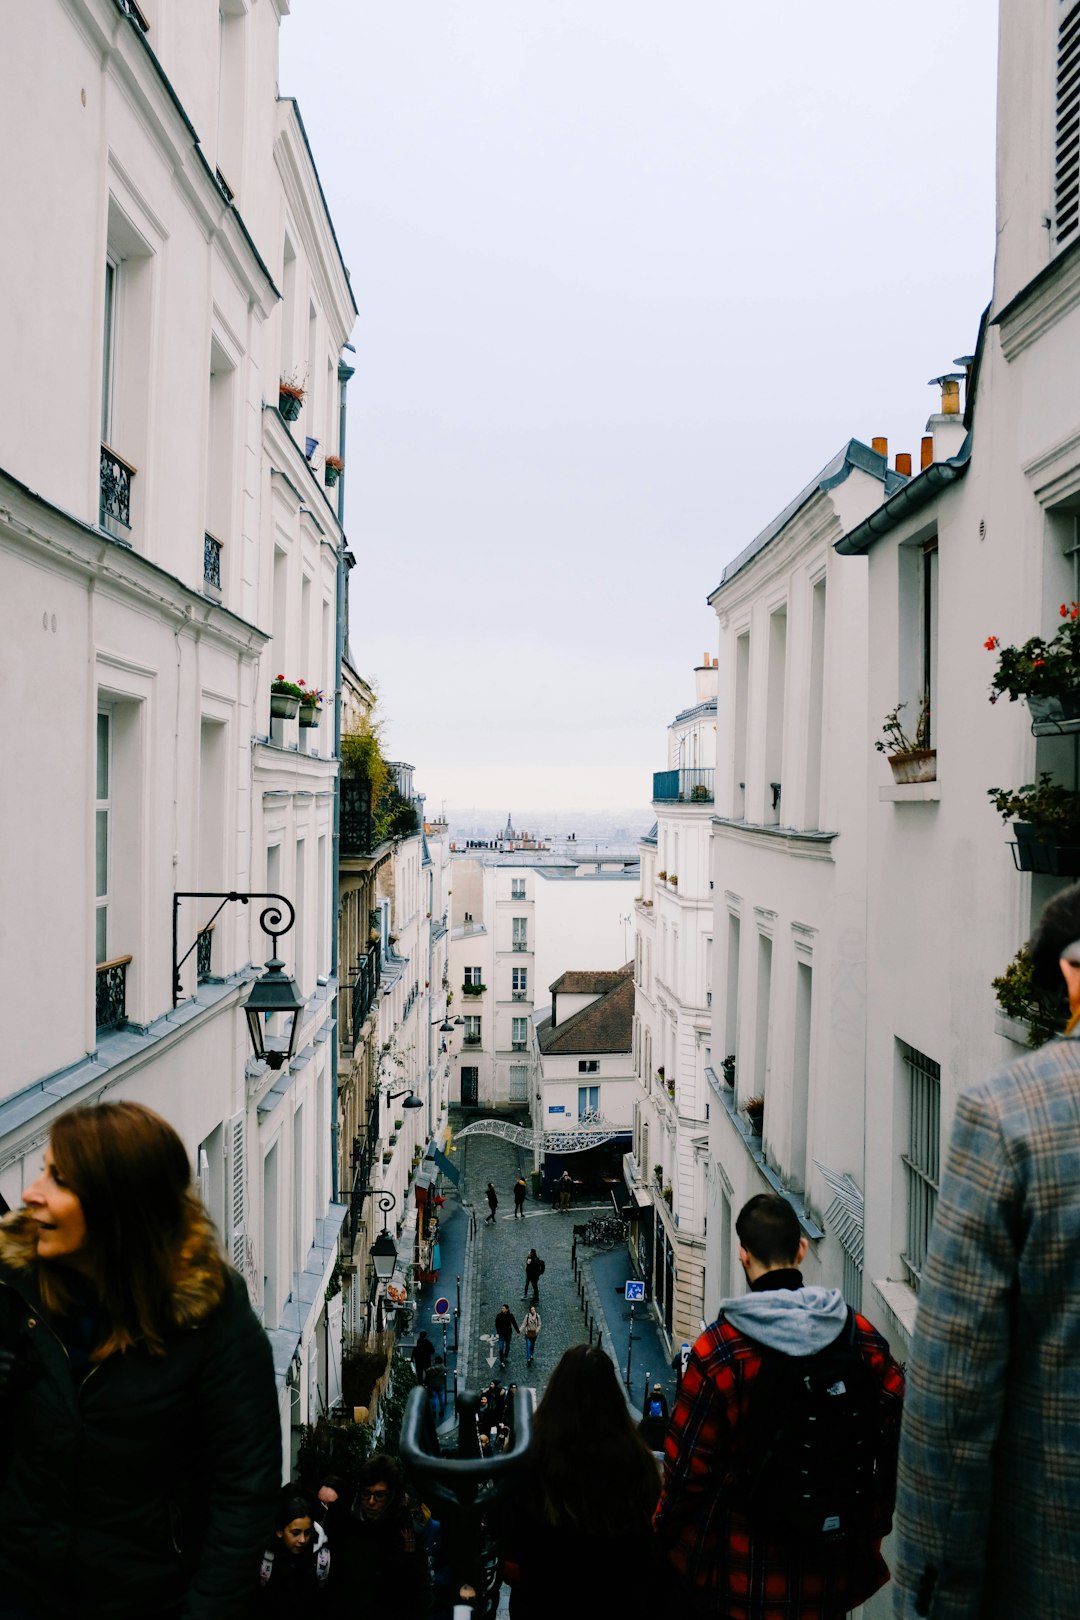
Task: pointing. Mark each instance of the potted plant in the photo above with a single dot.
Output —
(660, 1074)
(311, 700)
(911, 759)
(754, 1109)
(661, 877)
(290, 398)
(1021, 998)
(658, 1174)
(1046, 822)
(284, 698)
(727, 1067)
(674, 881)
(699, 793)
(333, 467)
(1044, 672)
(666, 1195)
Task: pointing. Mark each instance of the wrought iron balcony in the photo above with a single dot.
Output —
(520, 995)
(519, 1046)
(472, 1040)
(364, 989)
(111, 994)
(204, 948)
(356, 821)
(521, 945)
(691, 786)
(211, 562)
(114, 504)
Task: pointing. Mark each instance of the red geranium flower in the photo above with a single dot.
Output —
(990, 643)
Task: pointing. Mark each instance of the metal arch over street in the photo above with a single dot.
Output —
(591, 1129)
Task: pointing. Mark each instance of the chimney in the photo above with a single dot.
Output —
(946, 426)
(880, 447)
(706, 679)
(903, 463)
(926, 452)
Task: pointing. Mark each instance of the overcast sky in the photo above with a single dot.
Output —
(629, 273)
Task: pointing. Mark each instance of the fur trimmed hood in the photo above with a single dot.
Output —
(199, 1284)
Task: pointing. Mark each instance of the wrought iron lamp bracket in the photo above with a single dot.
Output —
(272, 921)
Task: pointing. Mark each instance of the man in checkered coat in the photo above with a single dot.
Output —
(989, 1492)
(722, 1563)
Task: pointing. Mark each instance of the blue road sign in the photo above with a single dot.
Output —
(442, 1307)
(635, 1291)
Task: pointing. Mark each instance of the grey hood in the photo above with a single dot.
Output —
(796, 1321)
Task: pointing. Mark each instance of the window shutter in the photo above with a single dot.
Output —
(1067, 126)
(235, 1142)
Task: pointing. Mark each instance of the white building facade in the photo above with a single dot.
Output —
(175, 548)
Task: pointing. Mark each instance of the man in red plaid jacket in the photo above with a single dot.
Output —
(723, 1564)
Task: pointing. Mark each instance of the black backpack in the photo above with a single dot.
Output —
(809, 1461)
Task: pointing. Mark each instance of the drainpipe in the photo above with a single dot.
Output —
(345, 371)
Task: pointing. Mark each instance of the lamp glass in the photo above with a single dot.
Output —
(384, 1256)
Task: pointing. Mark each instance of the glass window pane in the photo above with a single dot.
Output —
(102, 916)
(103, 756)
(101, 819)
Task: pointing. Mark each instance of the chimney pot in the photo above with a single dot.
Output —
(926, 451)
(880, 447)
(903, 463)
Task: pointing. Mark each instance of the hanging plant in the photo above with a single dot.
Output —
(1019, 997)
(1041, 668)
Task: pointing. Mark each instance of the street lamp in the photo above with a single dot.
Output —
(411, 1099)
(384, 1256)
(273, 992)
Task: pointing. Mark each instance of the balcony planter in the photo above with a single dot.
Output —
(917, 765)
(290, 400)
(333, 467)
(727, 1068)
(1049, 710)
(285, 698)
(1037, 849)
(754, 1109)
(310, 706)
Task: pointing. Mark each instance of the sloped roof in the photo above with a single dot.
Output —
(605, 1025)
(585, 982)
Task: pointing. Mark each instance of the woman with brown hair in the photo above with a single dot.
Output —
(577, 1528)
(141, 1446)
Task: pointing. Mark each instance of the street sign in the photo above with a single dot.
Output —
(635, 1291)
(439, 1321)
(442, 1307)
(684, 1355)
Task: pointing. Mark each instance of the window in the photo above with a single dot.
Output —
(108, 361)
(812, 810)
(102, 817)
(473, 976)
(517, 888)
(774, 717)
(519, 1082)
(588, 1100)
(741, 723)
(470, 1086)
(800, 1100)
(519, 983)
(521, 933)
(1067, 125)
(588, 1066)
(918, 633)
(921, 1161)
(519, 1034)
(472, 1031)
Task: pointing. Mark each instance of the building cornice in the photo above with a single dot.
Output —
(33, 526)
(810, 845)
(1047, 297)
(305, 195)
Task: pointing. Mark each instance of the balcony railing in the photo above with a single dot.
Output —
(204, 952)
(364, 987)
(356, 820)
(114, 503)
(520, 995)
(471, 1040)
(111, 994)
(211, 562)
(519, 1046)
(691, 786)
(521, 945)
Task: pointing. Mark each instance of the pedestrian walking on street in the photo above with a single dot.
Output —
(124, 1336)
(520, 1190)
(493, 1203)
(530, 1332)
(574, 1529)
(423, 1355)
(534, 1270)
(565, 1189)
(654, 1418)
(505, 1325)
(435, 1384)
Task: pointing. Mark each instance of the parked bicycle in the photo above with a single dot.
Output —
(603, 1231)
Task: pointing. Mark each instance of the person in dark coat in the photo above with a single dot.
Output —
(534, 1270)
(505, 1325)
(493, 1203)
(423, 1355)
(140, 1439)
(383, 1567)
(574, 1531)
(520, 1191)
(294, 1581)
(654, 1418)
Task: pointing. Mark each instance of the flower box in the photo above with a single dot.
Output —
(290, 401)
(1047, 709)
(916, 765)
(1038, 849)
(283, 706)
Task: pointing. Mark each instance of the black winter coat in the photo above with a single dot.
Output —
(145, 1492)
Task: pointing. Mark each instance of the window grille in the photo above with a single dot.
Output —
(922, 1159)
(852, 1282)
(1067, 125)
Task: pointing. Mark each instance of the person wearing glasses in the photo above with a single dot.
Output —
(988, 1507)
(384, 1566)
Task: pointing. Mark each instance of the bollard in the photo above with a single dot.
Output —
(600, 1339)
(590, 1332)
